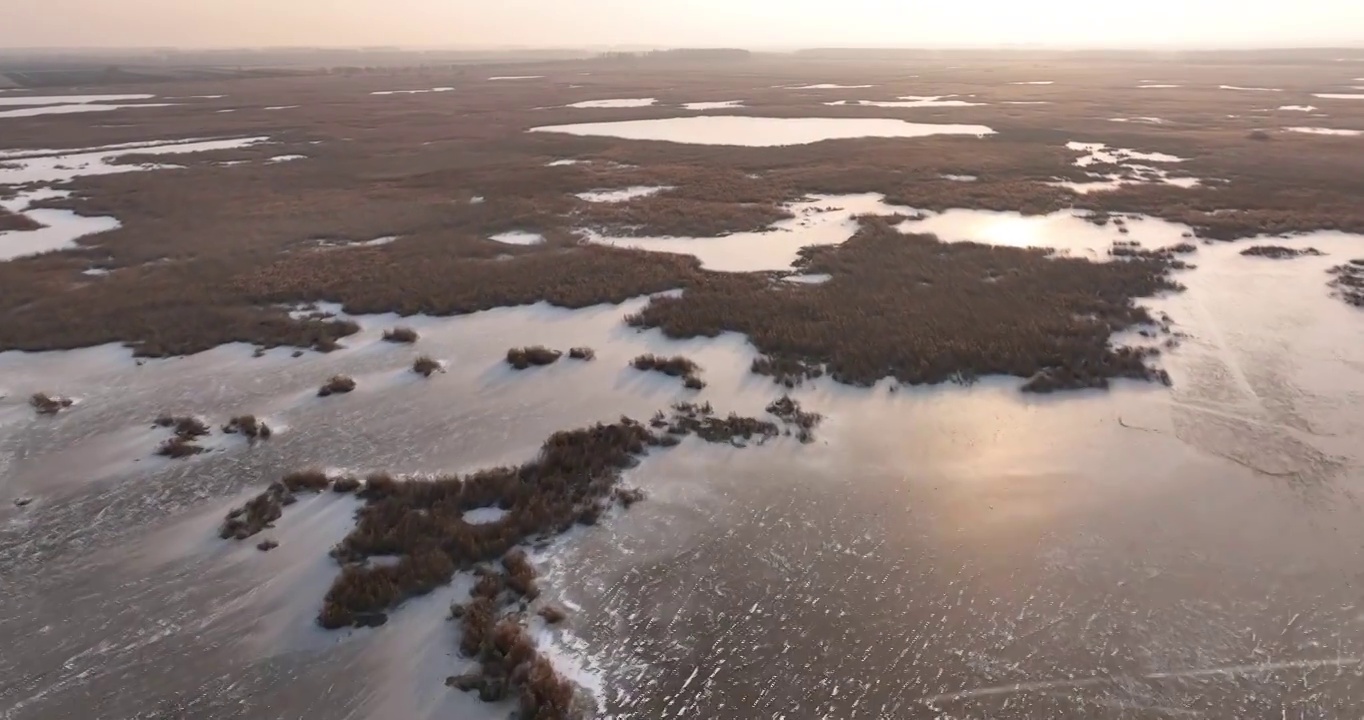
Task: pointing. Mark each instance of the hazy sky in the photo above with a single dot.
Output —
(751, 23)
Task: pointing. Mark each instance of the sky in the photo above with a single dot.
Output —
(672, 23)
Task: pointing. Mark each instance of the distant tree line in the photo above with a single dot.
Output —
(679, 54)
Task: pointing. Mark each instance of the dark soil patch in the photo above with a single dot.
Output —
(933, 320)
(538, 356)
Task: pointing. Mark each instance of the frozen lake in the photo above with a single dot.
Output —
(962, 551)
(760, 131)
(616, 103)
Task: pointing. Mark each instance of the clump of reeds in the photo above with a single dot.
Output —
(401, 335)
(1278, 252)
(582, 353)
(420, 522)
(918, 312)
(1348, 281)
(335, 385)
(790, 412)
(538, 355)
(46, 404)
(178, 447)
(249, 426)
(786, 371)
(426, 366)
(260, 511)
(675, 366)
(187, 430)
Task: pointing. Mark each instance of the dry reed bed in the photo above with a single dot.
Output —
(10, 221)
(675, 366)
(1348, 282)
(45, 404)
(421, 522)
(536, 356)
(1278, 252)
(923, 311)
(426, 366)
(204, 254)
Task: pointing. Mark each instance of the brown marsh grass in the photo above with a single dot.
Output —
(538, 356)
(420, 522)
(178, 448)
(209, 254)
(45, 404)
(676, 366)
(337, 384)
(401, 335)
(936, 319)
(585, 354)
(426, 366)
(1278, 252)
(248, 426)
(10, 221)
(1348, 282)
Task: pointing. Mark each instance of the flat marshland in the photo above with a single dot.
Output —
(920, 384)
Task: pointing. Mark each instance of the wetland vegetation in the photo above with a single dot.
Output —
(401, 335)
(421, 524)
(45, 404)
(537, 355)
(337, 384)
(676, 366)
(1039, 317)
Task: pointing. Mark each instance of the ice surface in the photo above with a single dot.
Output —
(761, 132)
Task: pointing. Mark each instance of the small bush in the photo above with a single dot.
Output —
(178, 447)
(538, 355)
(582, 353)
(1348, 281)
(628, 496)
(790, 412)
(1259, 135)
(310, 480)
(426, 366)
(48, 405)
(248, 426)
(337, 384)
(346, 485)
(401, 335)
(676, 366)
(267, 545)
(190, 427)
(553, 614)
